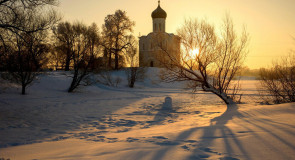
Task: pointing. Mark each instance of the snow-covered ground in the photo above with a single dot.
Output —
(101, 122)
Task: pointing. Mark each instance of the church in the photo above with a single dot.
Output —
(158, 43)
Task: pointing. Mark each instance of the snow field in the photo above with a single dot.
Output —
(102, 122)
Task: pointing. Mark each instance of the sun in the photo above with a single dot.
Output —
(193, 53)
(190, 54)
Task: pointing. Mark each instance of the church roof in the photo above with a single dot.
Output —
(159, 13)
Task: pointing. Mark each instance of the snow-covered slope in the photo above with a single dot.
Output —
(102, 122)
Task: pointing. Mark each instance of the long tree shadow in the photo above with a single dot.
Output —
(217, 125)
(266, 130)
(264, 140)
(275, 135)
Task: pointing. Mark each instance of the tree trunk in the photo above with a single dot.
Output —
(116, 61)
(226, 99)
(131, 84)
(68, 61)
(23, 89)
(74, 82)
(72, 87)
(110, 60)
(67, 67)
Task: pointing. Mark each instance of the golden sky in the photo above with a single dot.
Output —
(270, 23)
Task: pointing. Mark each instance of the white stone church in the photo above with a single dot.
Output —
(149, 50)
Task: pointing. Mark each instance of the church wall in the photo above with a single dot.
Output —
(149, 52)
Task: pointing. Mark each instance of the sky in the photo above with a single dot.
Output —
(270, 23)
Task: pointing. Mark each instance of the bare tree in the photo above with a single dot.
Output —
(63, 34)
(208, 60)
(115, 29)
(108, 43)
(278, 82)
(26, 37)
(27, 58)
(20, 65)
(85, 47)
(16, 17)
(134, 72)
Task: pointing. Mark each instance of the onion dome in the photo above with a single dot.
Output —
(159, 13)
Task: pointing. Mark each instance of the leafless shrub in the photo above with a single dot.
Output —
(278, 82)
(134, 74)
(106, 78)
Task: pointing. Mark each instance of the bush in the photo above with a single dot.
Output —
(106, 78)
(278, 82)
(133, 74)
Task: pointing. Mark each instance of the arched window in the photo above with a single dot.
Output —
(152, 64)
(155, 25)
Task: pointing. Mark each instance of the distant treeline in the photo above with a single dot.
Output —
(246, 71)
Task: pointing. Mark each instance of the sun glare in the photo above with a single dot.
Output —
(193, 53)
